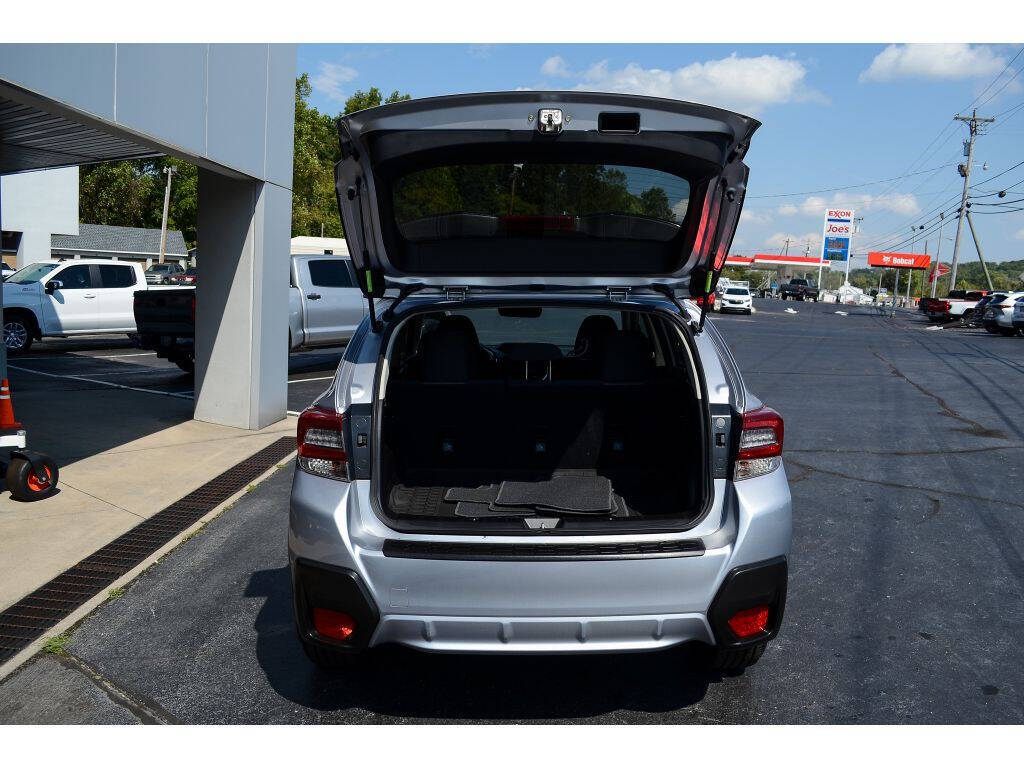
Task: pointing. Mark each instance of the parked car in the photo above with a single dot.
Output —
(69, 298)
(998, 316)
(163, 274)
(522, 456)
(188, 277)
(737, 299)
(954, 307)
(799, 289)
(973, 317)
(324, 309)
(1018, 314)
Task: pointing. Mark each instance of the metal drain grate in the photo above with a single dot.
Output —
(33, 615)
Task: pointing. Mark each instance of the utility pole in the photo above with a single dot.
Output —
(938, 254)
(973, 122)
(170, 170)
(977, 246)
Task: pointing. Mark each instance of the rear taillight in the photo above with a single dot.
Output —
(750, 621)
(321, 442)
(945, 306)
(760, 449)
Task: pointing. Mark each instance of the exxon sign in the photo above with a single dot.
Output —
(836, 235)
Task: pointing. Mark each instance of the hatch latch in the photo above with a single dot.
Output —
(455, 292)
(618, 292)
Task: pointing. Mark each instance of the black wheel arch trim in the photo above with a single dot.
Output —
(334, 588)
(747, 586)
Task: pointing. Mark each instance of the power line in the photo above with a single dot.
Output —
(849, 186)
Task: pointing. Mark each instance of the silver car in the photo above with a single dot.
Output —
(535, 443)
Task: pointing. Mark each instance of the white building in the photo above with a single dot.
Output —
(35, 206)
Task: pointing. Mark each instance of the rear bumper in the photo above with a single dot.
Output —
(537, 606)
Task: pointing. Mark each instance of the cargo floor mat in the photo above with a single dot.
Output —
(569, 493)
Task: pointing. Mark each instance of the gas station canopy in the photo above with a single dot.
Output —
(772, 260)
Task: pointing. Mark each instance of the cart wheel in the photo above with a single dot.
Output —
(27, 485)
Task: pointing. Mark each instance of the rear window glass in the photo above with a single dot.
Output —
(117, 277)
(558, 326)
(539, 200)
(330, 273)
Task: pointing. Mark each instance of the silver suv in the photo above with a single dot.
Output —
(534, 443)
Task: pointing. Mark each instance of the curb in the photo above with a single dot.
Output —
(80, 613)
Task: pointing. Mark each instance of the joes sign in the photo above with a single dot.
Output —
(836, 235)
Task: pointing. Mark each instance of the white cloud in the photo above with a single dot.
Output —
(1019, 234)
(939, 61)
(744, 83)
(554, 66)
(750, 216)
(329, 79)
(905, 204)
(797, 243)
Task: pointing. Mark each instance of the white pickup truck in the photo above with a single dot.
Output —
(69, 298)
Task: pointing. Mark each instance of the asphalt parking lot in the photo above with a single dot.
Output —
(110, 362)
(903, 449)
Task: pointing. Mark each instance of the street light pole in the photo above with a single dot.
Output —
(170, 170)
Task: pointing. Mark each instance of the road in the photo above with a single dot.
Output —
(903, 449)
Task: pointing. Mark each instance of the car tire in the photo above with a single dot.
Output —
(187, 364)
(735, 660)
(1006, 331)
(327, 658)
(26, 485)
(17, 334)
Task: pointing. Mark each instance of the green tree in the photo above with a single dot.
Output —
(371, 98)
(131, 194)
(654, 203)
(314, 205)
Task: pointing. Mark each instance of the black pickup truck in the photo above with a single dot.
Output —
(165, 322)
(798, 289)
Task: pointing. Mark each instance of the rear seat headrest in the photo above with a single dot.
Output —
(449, 351)
(625, 357)
(593, 330)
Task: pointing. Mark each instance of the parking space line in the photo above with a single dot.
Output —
(126, 354)
(299, 381)
(183, 395)
(294, 413)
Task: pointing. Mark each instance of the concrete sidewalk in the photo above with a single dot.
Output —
(106, 492)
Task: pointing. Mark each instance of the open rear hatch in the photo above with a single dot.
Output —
(487, 425)
(558, 189)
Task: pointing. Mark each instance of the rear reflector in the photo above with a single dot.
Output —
(750, 621)
(337, 626)
(760, 444)
(321, 443)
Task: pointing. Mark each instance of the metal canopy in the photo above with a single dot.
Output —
(31, 139)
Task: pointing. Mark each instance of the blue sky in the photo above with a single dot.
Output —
(833, 115)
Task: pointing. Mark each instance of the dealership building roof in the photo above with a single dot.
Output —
(124, 242)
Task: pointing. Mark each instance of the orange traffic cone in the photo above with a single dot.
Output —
(6, 410)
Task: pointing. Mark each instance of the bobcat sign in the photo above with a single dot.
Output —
(836, 235)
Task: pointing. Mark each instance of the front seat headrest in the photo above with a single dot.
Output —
(449, 351)
(593, 330)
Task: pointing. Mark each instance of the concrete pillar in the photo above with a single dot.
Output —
(242, 301)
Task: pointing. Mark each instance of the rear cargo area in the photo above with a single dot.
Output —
(496, 416)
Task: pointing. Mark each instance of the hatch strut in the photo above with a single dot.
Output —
(707, 297)
(404, 292)
(671, 296)
(369, 289)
